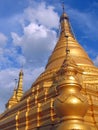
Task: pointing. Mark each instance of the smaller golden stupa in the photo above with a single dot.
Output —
(18, 92)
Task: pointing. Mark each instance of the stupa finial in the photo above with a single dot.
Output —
(63, 6)
(19, 91)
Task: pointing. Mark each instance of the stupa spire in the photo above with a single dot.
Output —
(63, 6)
(13, 100)
(70, 100)
(17, 93)
(67, 37)
(19, 90)
(65, 24)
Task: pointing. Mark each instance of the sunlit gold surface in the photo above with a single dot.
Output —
(59, 99)
(19, 91)
(17, 94)
(76, 51)
(70, 105)
(12, 101)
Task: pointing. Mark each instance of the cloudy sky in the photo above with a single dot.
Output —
(29, 30)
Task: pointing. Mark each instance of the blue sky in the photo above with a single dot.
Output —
(28, 34)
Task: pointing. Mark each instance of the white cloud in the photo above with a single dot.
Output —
(31, 48)
(3, 40)
(30, 75)
(41, 14)
(38, 37)
(96, 61)
(21, 60)
(16, 39)
(7, 85)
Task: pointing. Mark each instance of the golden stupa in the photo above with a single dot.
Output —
(64, 96)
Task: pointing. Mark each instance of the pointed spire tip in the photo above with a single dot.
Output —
(63, 6)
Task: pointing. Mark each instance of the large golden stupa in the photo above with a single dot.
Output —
(64, 96)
